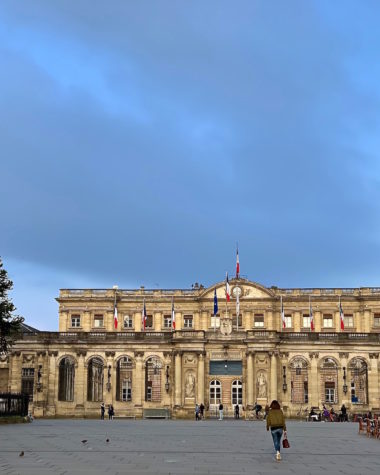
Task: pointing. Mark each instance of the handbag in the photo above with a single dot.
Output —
(285, 441)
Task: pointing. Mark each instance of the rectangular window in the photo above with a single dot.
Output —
(167, 321)
(98, 321)
(149, 321)
(259, 320)
(240, 321)
(27, 382)
(288, 321)
(188, 321)
(330, 391)
(376, 320)
(126, 390)
(327, 321)
(348, 321)
(306, 321)
(75, 321)
(215, 321)
(128, 321)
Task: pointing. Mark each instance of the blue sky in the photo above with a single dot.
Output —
(141, 140)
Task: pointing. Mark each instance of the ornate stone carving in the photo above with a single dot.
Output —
(81, 352)
(110, 354)
(374, 356)
(284, 354)
(225, 326)
(138, 354)
(261, 384)
(27, 358)
(53, 353)
(4, 359)
(343, 355)
(189, 384)
(261, 358)
(167, 354)
(314, 354)
(41, 353)
(190, 358)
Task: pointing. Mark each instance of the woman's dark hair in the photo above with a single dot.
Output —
(275, 405)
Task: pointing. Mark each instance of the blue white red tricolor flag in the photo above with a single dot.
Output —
(115, 321)
(143, 316)
(173, 315)
(228, 293)
(237, 263)
(341, 314)
(311, 316)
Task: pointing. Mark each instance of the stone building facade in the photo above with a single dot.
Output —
(234, 359)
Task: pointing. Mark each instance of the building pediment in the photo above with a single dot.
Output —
(248, 289)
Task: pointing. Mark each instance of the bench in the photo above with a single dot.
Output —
(156, 413)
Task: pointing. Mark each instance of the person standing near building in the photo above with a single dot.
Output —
(220, 411)
(276, 423)
(237, 411)
(202, 410)
(102, 411)
(197, 412)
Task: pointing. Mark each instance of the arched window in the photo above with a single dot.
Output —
(358, 375)
(236, 392)
(66, 379)
(299, 384)
(153, 369)
(124, 379)
(215, 392)
(95, 377)
(329, 381)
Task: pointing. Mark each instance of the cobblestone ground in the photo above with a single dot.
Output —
(183, 447)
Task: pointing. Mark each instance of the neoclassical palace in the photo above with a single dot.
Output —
(259, 355)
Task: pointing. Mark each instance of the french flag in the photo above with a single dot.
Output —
(228, 293)
(173, 315)
(143, 316)
(115, 320)
(341, 314)
(237, 263)
(311, 316)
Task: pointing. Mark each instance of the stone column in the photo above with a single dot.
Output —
(358, 321)
(345, 398)
(138, 382)
(51, 396)
(15, 373)
(63, 323)
(247, 320)
(204, 320)
(197, 324)
(249, 401)
(86, 322)
(317, 321)
(178, 379)
(366, 323)
(373, 381)
(273, 375)
(201, 378)
(80, 383)
(313, 379)
(109, 389)
(157, 322)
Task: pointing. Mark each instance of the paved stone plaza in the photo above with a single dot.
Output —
(182, 447)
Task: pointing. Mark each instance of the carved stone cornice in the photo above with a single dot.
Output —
(284, 354)
(314, 354)
(138, 354)
(53, 353)
(250, 353)
(16, 353)
(41, 353)
(81, 352)
(177, 352)
(110, 354)
(374, 356)
(343, 355)
(167, 354)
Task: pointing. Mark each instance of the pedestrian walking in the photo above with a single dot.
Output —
(276, 423)
(202, 410)
(266, 411)
(237, 411)
(220, 411)
(197, 412)
(111, 412)
(102, 411)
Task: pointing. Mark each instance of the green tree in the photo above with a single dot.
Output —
(10, 325)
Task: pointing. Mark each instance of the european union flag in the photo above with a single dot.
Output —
(215, 303)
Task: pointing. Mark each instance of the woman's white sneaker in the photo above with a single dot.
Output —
(278, 456)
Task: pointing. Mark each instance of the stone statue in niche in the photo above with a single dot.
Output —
(190, 384)
(261, 385)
